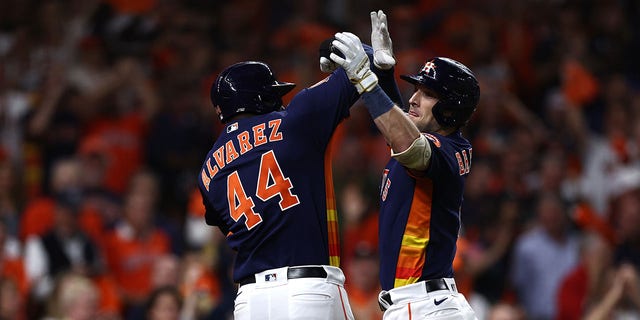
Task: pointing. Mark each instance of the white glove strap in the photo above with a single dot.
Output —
(366, 83)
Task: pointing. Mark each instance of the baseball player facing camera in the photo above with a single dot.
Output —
(266, 184)
(423, 182)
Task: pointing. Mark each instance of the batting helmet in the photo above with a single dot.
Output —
(248, 87)
(456, 86)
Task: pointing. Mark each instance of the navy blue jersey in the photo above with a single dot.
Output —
(420, 214)
(266, 183)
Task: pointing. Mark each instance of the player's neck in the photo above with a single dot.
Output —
(445, 131)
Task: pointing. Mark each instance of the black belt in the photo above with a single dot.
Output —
(430, 286)
(294, 273)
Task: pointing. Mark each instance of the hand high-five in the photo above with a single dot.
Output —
(381, 41)
(355, 61)
(326, 65)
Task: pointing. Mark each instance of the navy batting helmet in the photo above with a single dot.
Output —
(248, 87)
(456, 86)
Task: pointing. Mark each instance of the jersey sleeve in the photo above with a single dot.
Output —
(319, 109)
(440, 160)
(210, 216)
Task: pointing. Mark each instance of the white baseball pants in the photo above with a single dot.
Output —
(275, 297)
(413, 302)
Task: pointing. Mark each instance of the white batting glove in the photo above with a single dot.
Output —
(326, 65)
(355, 62)
(381, 41)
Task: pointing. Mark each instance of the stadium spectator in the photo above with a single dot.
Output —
(61, 249)
(549, 240)
(135, 245)
(75, 298)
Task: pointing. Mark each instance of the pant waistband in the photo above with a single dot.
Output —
(297, 272)
(412, 291)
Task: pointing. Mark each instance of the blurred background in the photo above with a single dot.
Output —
(105, 120)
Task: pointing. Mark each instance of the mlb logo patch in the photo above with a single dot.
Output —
(232, 127)
(270, 277)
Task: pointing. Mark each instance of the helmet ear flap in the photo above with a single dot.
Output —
(271, 102)
(443, 116)
(437, 111)
(450, 117)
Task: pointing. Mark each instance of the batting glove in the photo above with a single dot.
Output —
(381, 42)
(355, 61)
(326, 65)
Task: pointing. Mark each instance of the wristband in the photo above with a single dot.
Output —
(367, 83)
(377, 102)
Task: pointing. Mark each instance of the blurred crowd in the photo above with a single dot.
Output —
(105, 119)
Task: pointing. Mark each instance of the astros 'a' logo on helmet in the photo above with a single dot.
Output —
(429, 69)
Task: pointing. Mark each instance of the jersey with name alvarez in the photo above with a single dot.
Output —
(420, 215)
(264, 184)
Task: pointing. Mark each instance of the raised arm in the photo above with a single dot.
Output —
(409, 146)
(383, 59)
(380, 53)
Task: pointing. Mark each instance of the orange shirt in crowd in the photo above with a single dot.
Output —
(364, 303)
(38, 218)
(365, 233)
(120, 141)
(110, 302)
(586, 218)
(464, 281)
(196, 207)
(205, 285)
(579, 85)
(14, 269)
(131, 259)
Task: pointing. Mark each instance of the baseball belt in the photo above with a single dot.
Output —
(294, 273)
(384, 299)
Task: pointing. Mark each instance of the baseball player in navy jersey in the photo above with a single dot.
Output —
(266, 184)
(423, 182)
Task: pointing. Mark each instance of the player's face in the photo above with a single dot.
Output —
(420, 105)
